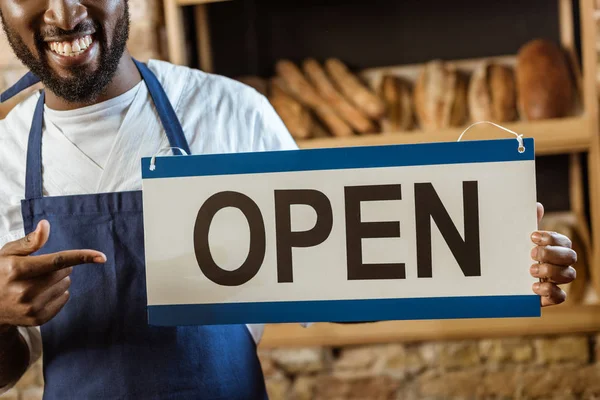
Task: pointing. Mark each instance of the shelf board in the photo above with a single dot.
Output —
(553, 136)
(556, 320)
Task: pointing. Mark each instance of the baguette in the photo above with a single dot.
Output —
(544, 85)
(395, 93)
(355, 118)
(294, 115)
(354, 90)
(306, 94)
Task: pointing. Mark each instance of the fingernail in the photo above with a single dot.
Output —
(536, 237)
(100, 259)
(534, 253)
(535, 269)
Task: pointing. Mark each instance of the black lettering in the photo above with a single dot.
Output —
(286, 239)
(256, 254)
(429, 206)
(356, 230)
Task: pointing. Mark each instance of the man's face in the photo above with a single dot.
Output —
(73, 46)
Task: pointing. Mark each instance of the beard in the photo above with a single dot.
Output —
(83, 86)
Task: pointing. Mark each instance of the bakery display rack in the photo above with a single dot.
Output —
(575, 133)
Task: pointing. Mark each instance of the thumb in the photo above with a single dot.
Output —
(30, 243)
(540, 212)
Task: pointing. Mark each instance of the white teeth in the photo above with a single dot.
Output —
(73, 48)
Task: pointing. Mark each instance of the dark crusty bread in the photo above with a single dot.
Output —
(544, 84)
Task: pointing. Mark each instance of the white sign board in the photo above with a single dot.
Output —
(424, 231)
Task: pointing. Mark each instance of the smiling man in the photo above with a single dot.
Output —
(71, 234)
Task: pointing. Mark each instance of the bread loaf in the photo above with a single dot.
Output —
(294, 115)
(354, 117)
(354, 90)
(440, 96)
(492, 93)
(395, 92)
(544, 85)
(306, 94)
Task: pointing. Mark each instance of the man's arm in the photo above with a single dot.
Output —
(14, 355)
(33, 289)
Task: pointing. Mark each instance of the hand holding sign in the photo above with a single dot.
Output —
(554, 258)
(33, 289)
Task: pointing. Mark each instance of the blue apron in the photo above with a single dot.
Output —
(100, 345)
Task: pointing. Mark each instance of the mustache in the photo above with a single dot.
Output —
(83, 27)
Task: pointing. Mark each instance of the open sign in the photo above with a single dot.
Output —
(422, 231)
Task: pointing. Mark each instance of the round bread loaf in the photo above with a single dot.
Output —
(544, 84)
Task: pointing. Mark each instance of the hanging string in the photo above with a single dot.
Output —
(153, 159)
(519, 136)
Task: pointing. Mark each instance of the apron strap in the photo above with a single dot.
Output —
(170, 122)
(33, 174)
(166, 113)
(25, 82)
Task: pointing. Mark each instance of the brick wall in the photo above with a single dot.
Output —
(562, 368)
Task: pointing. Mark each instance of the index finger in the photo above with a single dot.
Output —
(33, 266)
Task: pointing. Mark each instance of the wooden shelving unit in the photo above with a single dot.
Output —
(551, 136)
(575, 135)
(556, 320)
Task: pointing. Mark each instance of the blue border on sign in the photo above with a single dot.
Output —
(346, 310)
(475, 151)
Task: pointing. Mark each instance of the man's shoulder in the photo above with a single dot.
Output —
(237, 116)
(198, 86)
(15, 126)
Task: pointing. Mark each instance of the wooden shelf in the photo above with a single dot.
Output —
(555, 320)
(565, 135)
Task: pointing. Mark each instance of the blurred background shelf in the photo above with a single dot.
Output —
(248, 41)
(555, 320)
(555, 136)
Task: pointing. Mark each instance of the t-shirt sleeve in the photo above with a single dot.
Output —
(270, 132)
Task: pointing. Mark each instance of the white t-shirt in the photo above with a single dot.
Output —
(93, 129)
(97, 149)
